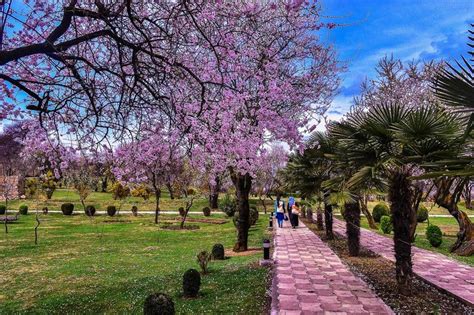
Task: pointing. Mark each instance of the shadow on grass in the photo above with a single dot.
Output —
(222, 291)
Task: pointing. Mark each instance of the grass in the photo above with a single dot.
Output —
(448, 226)
(85, 265)
(101, 200)
(432, 208)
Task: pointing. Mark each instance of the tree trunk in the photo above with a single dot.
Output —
(242, 185)
(214, 200)
(170, 189)
(418, 193)
(6, 216)
(37, 226)
(365, 210)
(104, 184)
(49, 193)
(262, 200)
(464, 244)
(157, 208)
(401, 206)
(189, 204)
(328, 221)
(467, 195)
(214, 194)
(352, 217)
(183, 219)
(319, 219)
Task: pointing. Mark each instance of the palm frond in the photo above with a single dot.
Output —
(454, 86)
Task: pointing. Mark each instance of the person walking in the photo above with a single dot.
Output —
(295, 213)
(280, 213)
(291, 202)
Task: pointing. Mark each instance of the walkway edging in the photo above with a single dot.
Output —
(458, 284)
(308, 277)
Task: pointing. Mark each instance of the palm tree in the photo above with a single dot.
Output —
(388, 143)
(346, 133)
(306, 172)
(347, 198)
(455, 86)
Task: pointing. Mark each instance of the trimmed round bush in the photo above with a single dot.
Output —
(421, 214)
(235, 219)
(253, 218)
(67, 208)
(158, 304)
(434, 235)
(228, 205)
(134, 211)
(218, 252)
(191, 283)
(90, 211)
(3, 209)
(386, 224)
(206, 211)
(379, 211)
(181, 211)
(23, 209)
(111, 210)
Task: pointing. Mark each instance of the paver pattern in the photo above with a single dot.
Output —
(310, 279)
(445, 273)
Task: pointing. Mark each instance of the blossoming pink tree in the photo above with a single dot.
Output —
(47, 152)
(94, 67)
(266, 180)
(278, 77)
(411, 85)
(151, 161)
(228, 77)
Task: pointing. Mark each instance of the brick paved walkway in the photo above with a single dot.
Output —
(310, 279)
(447, 274)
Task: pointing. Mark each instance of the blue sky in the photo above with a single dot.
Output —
(410, 30)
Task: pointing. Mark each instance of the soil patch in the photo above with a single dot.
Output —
(151, 248)
(379, 274)
(178, 227)
(9, 218)
(250, 251)
(117, 221)
(211, 221)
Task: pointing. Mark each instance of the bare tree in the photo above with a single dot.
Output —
(81, 177)
(8, 190)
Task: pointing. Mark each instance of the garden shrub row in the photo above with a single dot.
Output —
(23, 209)
(386, 224)
(422, 214)
(382, 209)
(253, 217)
(379, 211)
(434, 235)
(160, 303)
(68, 209)
(433, 232)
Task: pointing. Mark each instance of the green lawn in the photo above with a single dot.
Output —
(85, 265)
(101, 200)
(432, 208)
(448, 226)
